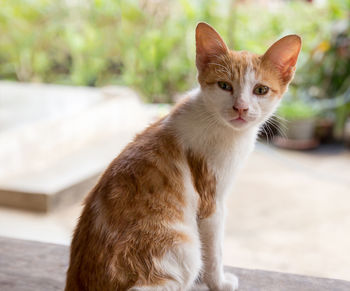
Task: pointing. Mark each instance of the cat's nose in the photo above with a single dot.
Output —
(240, 109)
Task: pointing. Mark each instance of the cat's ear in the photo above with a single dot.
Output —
(209, 44)
(283, 55)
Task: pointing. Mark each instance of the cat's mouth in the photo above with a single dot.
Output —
(239, 122)
(238, 119)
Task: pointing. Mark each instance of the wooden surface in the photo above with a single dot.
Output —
(34, 266)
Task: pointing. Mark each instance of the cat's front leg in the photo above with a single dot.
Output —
(211, 233)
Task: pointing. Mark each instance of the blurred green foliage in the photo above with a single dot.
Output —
(148, 45)
(297, 110)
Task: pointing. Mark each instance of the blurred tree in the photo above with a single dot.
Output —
(148, 45)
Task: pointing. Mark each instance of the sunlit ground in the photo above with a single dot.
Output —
(289, 212)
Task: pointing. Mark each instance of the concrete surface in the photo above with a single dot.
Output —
(290, 212)
(56, 140)
(41, 124)
(33, 266)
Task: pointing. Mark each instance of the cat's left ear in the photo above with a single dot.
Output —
(283, 55)
(209, 45)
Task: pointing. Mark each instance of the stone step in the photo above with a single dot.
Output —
(49, 160)
(64, 182)
(28, 144)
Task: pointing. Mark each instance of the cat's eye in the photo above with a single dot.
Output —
(261, 90)
(225, 86)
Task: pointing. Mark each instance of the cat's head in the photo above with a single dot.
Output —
(243, 89)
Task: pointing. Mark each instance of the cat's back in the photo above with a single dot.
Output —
(125, 222)
(145, 173)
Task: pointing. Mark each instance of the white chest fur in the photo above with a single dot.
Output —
(224, 150)
(226, 161)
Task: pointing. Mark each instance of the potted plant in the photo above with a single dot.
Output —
(298, 122)
(325, 76)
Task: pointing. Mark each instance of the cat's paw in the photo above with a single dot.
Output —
(226, 282)
(230, 283)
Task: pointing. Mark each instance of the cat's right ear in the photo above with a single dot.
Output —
(283, 54)
(209, 45)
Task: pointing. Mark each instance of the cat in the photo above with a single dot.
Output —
(155, 219)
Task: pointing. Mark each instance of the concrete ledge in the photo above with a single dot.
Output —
(60, 139)
(44, 201)
(34, 266)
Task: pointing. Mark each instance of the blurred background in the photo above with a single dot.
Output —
(80, 78)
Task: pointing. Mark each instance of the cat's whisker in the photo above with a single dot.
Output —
(270, 132)
(277, 122)
(263, 130)
(277, 126)
(278, 117)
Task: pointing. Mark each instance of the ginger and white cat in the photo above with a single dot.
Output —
(155, 219)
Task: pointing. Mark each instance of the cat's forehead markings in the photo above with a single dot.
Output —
(249, 79)
(238, 64)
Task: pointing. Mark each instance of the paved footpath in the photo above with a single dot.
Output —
(290, 212)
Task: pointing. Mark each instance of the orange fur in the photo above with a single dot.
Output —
(129, 222)
(119, 234)
(204, 182)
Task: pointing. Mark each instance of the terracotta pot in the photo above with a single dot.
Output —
(300, 129)
(299, 135)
